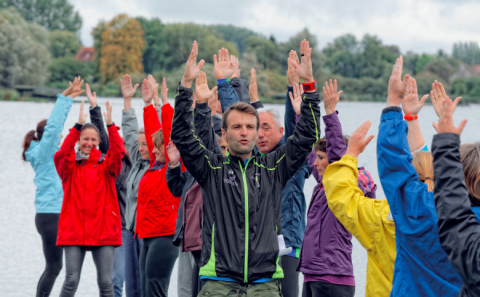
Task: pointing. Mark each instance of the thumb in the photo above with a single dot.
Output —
(462, 125)
(214, 89)
(435, 126)
(456, 101)
(424, 98)
(105, 114)
(200, 64)
(369, 139)
(294, 64)
(135, 87)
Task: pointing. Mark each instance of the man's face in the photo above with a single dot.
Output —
(268, 134)
(241, 132)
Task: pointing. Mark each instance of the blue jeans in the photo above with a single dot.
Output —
(132, 244)
(118, 272)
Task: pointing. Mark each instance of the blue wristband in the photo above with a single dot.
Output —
(221, 81)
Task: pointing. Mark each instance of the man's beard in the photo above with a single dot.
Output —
(236, 148)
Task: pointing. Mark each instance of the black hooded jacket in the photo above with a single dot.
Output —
(242, 200)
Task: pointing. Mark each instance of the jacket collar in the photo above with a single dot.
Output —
(95, 156)
(236, 159)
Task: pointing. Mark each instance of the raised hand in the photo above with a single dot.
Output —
(92, 98)
(76, 87)
(127, 90)
(331, 97)
(410, 104)
(173, 154)
(152, 83)
(357, 142)
(253, 89)
(191, 68)
(82, 118)
(164, 92)
(212, 103)
(292, 76)
(201, 88)
(296, 99)
(224, 67)
(396, 87)
(236, 66)
(438, 95)
(445, 123)
(147, 93)
(304, 70)
(108, 115)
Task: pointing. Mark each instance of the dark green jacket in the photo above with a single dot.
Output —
(242, 202)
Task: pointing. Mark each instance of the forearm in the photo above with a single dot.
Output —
(97, 120)
(290, 114)
(175, 180)
(336, 146)
(240, 87)
(227, 95)
(152, 124)
(127, 104)
(414, 136)
(130, 129)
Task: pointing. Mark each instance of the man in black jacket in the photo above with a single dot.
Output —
(242, 193)
(458, 229)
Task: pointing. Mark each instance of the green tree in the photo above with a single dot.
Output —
(423, 60)
(155, 55)
(24, 50)
(51, 14)
(236, 35)
(443, 67)
(459, 87)
(473, 86)
(63, 44)
(67, 68)
(266, 51)
(97, 46)
(467, 52)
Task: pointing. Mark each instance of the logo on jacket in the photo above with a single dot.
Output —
(231, 179)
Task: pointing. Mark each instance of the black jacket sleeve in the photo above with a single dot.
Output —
(203, 127)
(257, 104)
(97, 119)
(198, 160)
(292, 155)
(175, 180)
(240, 87)
(459, 231)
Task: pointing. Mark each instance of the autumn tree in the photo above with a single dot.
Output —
(122, 48)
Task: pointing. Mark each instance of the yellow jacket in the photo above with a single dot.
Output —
(366, 219)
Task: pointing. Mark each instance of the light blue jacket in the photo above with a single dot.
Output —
(49, 193)
(421, 267)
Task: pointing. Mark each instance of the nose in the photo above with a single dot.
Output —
(316, 162)
(243, 131)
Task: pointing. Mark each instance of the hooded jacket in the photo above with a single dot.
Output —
(179, 183)
(421, 266)
(157, 208)
(90, 215)
(242, 200)
(139, 167)
(49, 193)
(327, 246)
(366, 219)
(459, 231)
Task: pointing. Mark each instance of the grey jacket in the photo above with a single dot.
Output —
(139, 166)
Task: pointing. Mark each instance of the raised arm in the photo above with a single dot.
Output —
(175, 179)
(293, 80)
(336, 146)
(203, 123)
(459, 231)
(129, 118)
(97, 120)
(224, 69)
(117, 150)
(150, 118)
(239, 84)
(198, 160)
(253, 90)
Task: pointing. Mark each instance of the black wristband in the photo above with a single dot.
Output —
(78, 127)
(110, 125)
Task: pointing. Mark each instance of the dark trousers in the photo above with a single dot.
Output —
(118, 272)
(103, 259)
(47, 227)
(322, 289)
(197, 285)
(157, 258)
(133, 245)
(289, 282)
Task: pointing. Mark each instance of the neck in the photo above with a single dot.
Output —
(241, 156)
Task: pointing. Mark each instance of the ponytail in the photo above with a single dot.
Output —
(33, 135)
(423, 163)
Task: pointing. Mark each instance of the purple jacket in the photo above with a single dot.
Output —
(327, 246)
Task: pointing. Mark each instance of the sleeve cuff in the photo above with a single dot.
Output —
(257, 104)
(93, 107)
(172, 167)
(78, 127)
(350, 158)
(201, 105)
(391, 109)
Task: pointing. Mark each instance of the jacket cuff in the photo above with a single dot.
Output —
(391, 109)
(94, 107)
(350, 158)
(330, 117)
(129, 112)
(257, 104)
(201, 105)
(442, 138)
(224, 85)
(110, 125)
(68, 98)
(312, 97)
(393, 114)
(78, 127)
(183, 89)
(236, 81)
(297, 118)
(146, 108)
(112, 128)
(173, 167)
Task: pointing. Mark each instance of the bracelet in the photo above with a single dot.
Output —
(157, 104)
(310, 86)
(408, 117)
(221, 81)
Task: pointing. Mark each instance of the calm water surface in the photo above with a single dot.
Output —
(21, 255)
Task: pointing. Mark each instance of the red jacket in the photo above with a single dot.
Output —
(90, 214)
(157, 208)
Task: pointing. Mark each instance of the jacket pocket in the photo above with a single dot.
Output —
(160, 219)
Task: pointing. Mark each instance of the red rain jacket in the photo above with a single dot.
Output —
(90, 214)
(157, 208)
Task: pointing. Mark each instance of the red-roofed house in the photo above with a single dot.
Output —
(85, 54)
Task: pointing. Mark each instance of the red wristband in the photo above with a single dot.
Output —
(310, 86)
(408, 117)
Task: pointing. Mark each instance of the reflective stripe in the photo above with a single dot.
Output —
(245, 186)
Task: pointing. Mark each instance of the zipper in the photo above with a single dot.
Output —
(245, 187)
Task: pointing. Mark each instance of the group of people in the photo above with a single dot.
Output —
(216, 183)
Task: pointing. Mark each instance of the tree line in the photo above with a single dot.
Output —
(38, 43)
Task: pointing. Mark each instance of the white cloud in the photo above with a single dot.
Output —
(421, 26)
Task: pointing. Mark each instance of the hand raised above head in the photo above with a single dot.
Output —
(357, 142)
(223, 67)
(201, 88)
(147, 93)
(128, 90)
(410, 104)
(108, 114)
(445, 123)
(212, 103)
(152, 83)
(304, 70)
(292, 76)
(75, 88)
(236, 66)
(164, 92)
(253, 89)
(191, 68)
(331, 97)
(438, 95)
(296, 99)
(92, 97)
(396, 87)
(173, 154)
(82, 118)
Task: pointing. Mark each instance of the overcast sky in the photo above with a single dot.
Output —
(417, 25)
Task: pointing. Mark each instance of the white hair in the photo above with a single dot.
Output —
(274, 113)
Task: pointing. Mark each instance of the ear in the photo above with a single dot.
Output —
(224, 134)
(281, 130)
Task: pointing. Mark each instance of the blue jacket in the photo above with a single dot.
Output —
(49, 193)
(421, 266)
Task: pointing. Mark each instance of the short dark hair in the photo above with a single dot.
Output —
(321, 144)
(241, 107)
(91, 126)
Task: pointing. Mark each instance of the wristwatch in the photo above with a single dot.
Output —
(310, 86)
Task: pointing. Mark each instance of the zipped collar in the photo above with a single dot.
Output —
(95, 156)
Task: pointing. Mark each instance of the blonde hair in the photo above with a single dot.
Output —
(158, 139)
(470, 157)
(423, 163)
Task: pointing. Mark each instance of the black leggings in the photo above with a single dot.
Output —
(290, 286)
(157, 258)
(103, 258)
(323, 289)
(47, 227)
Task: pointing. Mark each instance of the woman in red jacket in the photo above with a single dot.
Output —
(156, 207)
(89, 219)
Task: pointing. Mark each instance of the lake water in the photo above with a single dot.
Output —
(21, 254)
